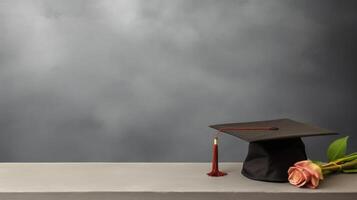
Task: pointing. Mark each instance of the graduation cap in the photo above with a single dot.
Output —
(274, 146)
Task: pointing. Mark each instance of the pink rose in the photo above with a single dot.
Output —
(305, 173)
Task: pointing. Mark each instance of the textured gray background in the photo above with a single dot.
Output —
(141, 80)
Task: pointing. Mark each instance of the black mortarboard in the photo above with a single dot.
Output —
(274, 146)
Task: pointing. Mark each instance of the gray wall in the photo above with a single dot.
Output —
(141, 80)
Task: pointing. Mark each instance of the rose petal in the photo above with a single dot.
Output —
(313, 183)
(298, 177)
(295, 178)
(305, 175)
(291, 169)
(302, 163)
(313, 169)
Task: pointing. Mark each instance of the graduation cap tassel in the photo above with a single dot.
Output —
(215, 171)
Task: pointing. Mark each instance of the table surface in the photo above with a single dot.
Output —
(147, 177)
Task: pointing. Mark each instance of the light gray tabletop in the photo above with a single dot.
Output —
(152, 181)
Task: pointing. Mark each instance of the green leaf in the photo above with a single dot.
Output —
(337, 149)
(349, 171)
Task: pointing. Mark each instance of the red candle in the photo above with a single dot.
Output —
(215, 171)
